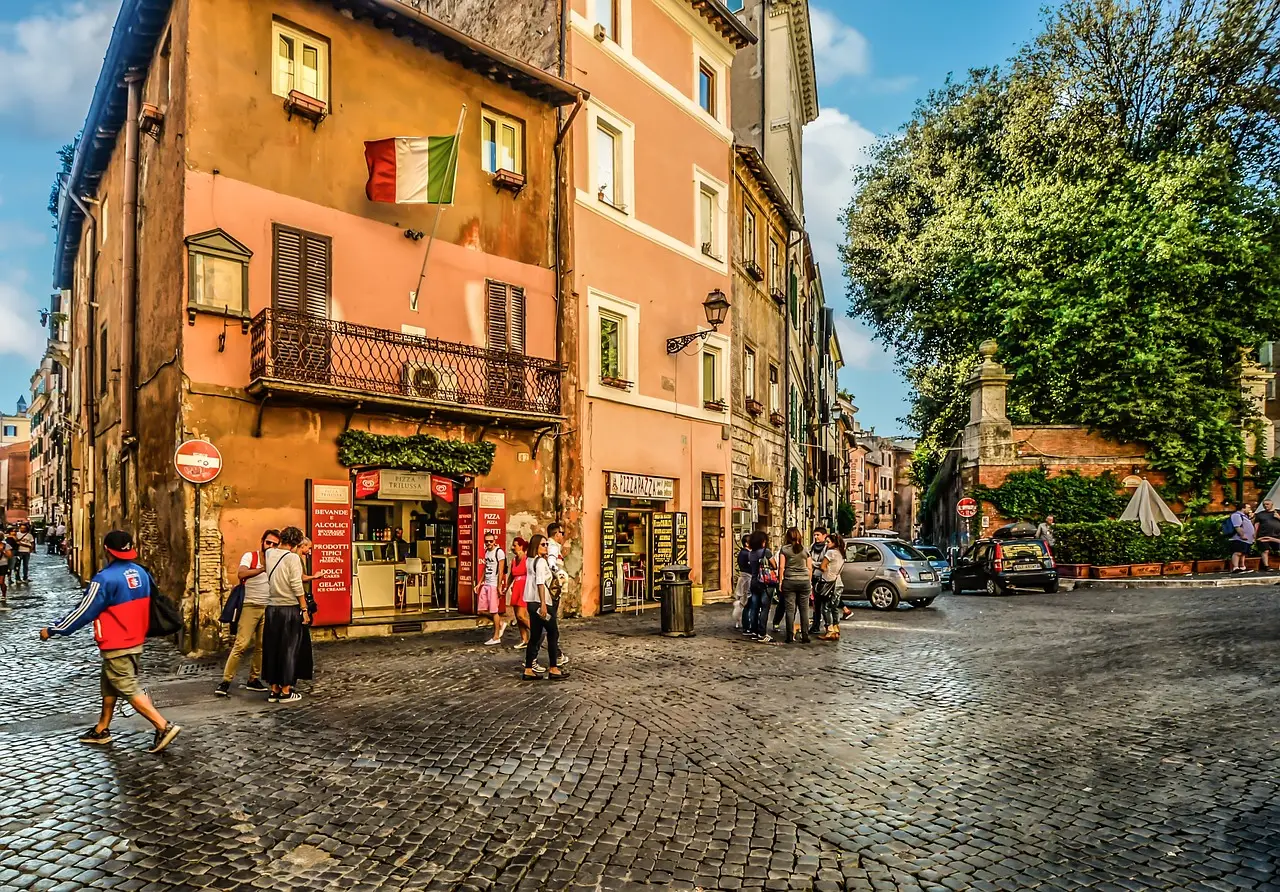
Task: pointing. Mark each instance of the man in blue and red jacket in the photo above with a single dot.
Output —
(118, 603)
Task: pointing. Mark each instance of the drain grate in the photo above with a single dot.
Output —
(399, 628)
(195, 667)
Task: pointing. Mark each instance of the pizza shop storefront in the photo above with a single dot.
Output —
(640, 535)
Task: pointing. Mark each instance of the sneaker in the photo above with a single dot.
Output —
(538, 667)
(291, 697)
(223, 689)
(521, 646)
(164, 737)
(273, 697)
(256, 684)
(564, 659)
(93, 735)
(492, 641)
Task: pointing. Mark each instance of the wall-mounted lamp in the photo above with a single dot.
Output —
(716, 307)
(413, 234)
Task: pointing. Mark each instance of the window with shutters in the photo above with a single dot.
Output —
(505, 315)
(300, 273)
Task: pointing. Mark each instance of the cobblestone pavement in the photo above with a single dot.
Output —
(1108, 740)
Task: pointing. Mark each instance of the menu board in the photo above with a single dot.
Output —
(664, 540)
(491, 517)
(329, 526)
(467, 551)
(682, 538)
(608, 561)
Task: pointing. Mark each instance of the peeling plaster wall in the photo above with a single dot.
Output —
(526, 29)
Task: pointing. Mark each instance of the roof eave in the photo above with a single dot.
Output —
(729, 26)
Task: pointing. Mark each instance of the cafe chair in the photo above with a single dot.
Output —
(414, 573)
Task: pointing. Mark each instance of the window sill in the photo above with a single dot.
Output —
(225, 312)
(715, 406)
(618, 383)
(620, 208)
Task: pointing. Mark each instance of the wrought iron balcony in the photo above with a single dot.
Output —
(344, 362)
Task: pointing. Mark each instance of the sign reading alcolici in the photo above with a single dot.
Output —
(639, 486)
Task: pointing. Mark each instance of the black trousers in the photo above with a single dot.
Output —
(795, 595)
(537, 628)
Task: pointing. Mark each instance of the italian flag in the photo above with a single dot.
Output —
(412, 169)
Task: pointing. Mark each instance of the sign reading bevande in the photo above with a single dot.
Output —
(640, 486)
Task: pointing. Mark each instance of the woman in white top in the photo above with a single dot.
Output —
(286, 643)
(827, 597)
(542, 613)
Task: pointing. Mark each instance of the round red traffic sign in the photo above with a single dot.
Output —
(967, 507)
(197, 461)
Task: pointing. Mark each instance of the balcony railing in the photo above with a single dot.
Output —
(323, 353)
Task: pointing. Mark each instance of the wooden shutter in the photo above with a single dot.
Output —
(496, 314)
(516, 320)
(287, 297)
(316, 276)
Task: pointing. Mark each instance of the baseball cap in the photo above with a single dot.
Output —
(120, 544)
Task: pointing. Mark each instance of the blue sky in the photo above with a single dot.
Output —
(874, 60)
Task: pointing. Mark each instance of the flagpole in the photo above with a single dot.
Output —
(453, 161)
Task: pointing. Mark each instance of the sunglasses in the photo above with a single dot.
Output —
(270, 543)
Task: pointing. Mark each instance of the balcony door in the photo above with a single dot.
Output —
(300, 292)
(505, 367)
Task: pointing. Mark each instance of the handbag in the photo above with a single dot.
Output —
(765, 572)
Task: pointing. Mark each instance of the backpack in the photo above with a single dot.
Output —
(764, 573)
(163, 619)
(1228, 528)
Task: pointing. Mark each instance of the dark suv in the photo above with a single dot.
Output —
(1000, 565)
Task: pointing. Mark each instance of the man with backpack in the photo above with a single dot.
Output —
(1239, 529)
(118, 603)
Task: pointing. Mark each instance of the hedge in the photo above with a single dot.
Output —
(421, 452)
(1111, 542)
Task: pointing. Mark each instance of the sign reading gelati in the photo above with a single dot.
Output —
(329, 525)
(639, 486)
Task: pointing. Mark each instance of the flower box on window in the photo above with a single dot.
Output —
(753, 270)
(755, 407)
(620, 383)
(715, 405)
(304, 106)
(777, 419)
(510, 180)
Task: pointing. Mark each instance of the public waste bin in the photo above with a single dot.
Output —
(677, 601)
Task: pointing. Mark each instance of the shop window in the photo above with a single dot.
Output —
(748, 373)
(301, 62)
(300, 273)
(505, 316)
(218, 274)
(502, 142)
(707, 88)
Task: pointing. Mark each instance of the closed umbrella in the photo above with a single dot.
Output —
(1148, 509)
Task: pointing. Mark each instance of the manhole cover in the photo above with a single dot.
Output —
(186, 670)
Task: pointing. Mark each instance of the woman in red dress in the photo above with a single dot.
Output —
(516, 575)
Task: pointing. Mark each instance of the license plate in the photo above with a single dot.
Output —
(926, 576)
(1032, 566)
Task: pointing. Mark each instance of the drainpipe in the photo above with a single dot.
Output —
(556, 209)
(786, 372)
(129, 284)
(88, 549)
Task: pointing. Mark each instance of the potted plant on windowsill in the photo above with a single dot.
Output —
(619, 383)
(715, 405)
(754, 407)
(776, 419)
(510, 180)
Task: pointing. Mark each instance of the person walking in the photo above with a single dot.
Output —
(26, 547)
(795, 568)
(1266, 524)
(817, 548)
(494, 570)
(286, 644)
(118, 603)
(827, 597)
(252, 574)
(11, 540)
(542, 615)
(764, 577)
(742, 591)
(557, 551)
(1044, 532)
(514, 585)
(6, 556)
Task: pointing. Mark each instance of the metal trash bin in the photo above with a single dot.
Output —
(677, 601)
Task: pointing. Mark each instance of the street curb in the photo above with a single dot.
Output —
(1173, 582)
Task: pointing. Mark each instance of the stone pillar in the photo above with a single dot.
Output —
(1260, 431)
(988, 438)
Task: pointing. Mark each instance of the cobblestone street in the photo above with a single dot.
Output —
(1109, 740)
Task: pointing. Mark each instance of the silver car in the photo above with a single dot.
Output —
(887, 572)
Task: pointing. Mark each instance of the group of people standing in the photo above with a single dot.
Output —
(1247, 529)
(271, 612)
(532, 580)
(790, 581)
(16, 548)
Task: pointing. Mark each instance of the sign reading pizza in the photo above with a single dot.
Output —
(197, 461)
(967, 507)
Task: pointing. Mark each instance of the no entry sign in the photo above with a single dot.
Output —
(967, 507)
(197, 461)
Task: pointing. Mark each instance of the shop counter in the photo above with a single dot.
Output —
(375, 585)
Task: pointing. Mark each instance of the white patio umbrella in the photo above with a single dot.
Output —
(1148, 509)
(1272, 494)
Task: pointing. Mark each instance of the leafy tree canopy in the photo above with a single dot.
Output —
(1106, 208)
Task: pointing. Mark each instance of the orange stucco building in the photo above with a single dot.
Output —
(232, 282)
(648, 430)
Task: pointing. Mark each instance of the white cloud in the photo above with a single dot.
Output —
(839, 50)
(20, 333)
(49, 64)
(16, 237)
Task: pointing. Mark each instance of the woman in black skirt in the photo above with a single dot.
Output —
(286, 641)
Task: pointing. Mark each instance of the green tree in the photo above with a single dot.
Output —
(1106, 208)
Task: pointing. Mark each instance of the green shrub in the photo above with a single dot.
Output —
(1111, 542)
(1070, 497)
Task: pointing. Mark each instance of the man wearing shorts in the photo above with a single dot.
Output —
(1242, 535)
(1267, 525)
(487, 601)
(118, 603)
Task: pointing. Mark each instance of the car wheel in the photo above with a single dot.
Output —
(1051, 588)
(995, 588)
(883, 596)
(922, 602)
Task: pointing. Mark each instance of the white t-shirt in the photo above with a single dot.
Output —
(256, 591)
(539, 575)
(492, 558)
(553, 555)
(835, 563)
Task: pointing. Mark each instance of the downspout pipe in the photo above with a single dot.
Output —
(557, 211)
(129, 284)
(792, 242)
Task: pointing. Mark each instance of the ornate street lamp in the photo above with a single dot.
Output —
(716, 307)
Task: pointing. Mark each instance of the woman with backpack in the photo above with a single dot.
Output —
(764, 576)
(542, 607)
(286, 642)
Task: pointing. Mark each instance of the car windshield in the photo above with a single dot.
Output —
(904, 552)
(933, 554)
(1026, 548)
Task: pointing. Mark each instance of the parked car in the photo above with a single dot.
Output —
(997, 566)
(887, 572)
(938, 561)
